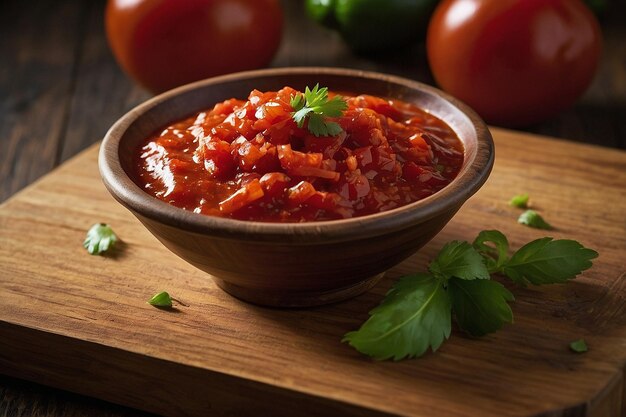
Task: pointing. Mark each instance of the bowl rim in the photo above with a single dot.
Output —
(472, 176)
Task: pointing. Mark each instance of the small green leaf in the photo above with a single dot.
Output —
(459, 259)
(547, 261)
(494, 256)
(315, 107)
(532, 219)
(316, 125)
(333, 129)
(414, 316)
(300, 115)
(100, 238)
(161, 299)
(333, 107)
(480, 306)
(297, 101)
(579, 346)
(520, 201)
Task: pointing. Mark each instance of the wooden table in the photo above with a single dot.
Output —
(60, 90)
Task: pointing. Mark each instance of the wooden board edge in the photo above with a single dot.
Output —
(610, 400)
(501, 131)
(151, 384)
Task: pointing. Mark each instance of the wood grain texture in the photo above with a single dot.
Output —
(37, 53)
(79, 322)
(27, 399)
(102, 92)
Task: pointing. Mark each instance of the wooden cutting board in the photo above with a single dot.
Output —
(81, 322)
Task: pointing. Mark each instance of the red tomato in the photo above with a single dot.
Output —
(166, 43)
(514, 61)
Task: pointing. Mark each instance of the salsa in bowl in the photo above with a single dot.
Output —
(249, 159)
(279, 212)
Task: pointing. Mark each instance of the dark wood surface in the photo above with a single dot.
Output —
(60, 90)
(82, 323)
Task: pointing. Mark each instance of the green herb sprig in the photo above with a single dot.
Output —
(579, 346)
(315, 106)
(533, 219)
(162, 299)
(416, 313)
(100, 238)
(520, 201)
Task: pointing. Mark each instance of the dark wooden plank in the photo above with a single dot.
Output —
(19, 398)
(103, 92)
(38, 46)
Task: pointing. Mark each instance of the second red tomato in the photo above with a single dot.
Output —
(167, 43)
(514, 61)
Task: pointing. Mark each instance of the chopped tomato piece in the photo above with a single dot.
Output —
(379, 105)
(228, 106)
(218, 162)
(245, 195)
(300, 193)
(290, 159)
(274, 183)
(327, 146)
(354, 185)
(282, 132)
(351, 163)
(304, 171)
(324, 200)
(178, 166)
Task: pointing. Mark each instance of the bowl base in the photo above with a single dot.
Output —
(287, 299)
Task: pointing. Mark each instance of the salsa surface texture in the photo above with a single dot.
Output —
(249, 160)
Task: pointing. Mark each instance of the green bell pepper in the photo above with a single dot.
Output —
(370, 25)
(598, 7)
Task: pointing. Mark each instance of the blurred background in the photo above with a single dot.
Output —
(61, 88)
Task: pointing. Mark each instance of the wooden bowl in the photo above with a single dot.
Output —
(302, 264)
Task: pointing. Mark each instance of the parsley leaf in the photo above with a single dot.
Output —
(547, 261)
(297, 102)
(315, 106)
(161, 299)
(416, 313)
(319, 127)
(520, 201)
(494, 256)
(414, 316)
(579, 346)
(532, 219)
(459, 259)
(480, 306)
(100, 238)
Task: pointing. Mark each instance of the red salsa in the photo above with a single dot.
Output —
(249, 160)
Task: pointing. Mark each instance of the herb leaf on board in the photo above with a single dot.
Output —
(414, 316)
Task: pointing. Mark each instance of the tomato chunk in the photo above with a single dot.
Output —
(242, 197)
